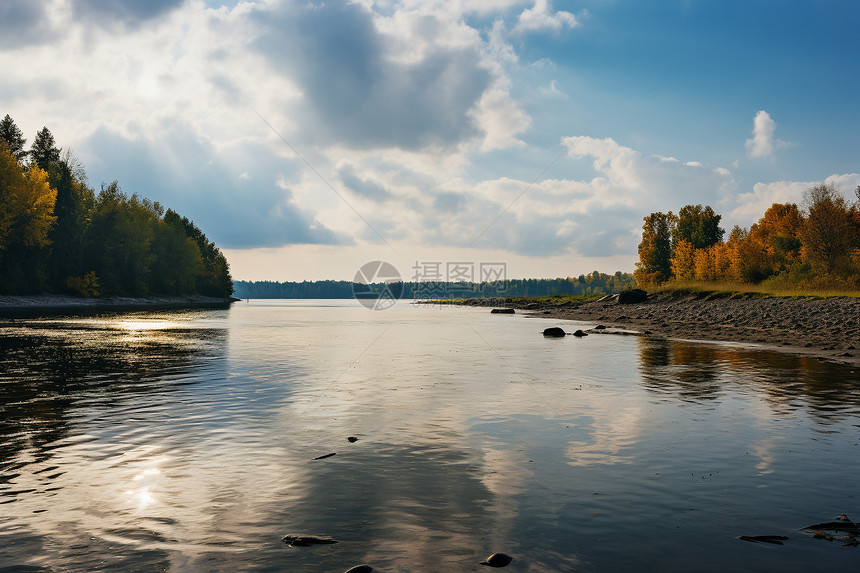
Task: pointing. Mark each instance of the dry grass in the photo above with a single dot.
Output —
(742, 290)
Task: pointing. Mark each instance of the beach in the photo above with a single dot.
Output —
(827, 327)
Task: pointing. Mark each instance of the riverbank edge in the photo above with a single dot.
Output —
(826, 328)
(12, 306)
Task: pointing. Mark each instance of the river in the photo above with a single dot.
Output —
(184, 441)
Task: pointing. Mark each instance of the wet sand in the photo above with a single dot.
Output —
(827, 328)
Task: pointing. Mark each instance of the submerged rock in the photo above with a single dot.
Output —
(307, 540)
(502, 311)
(579, 333)
(352, 439)
(774, 539)
(848, 526)
(497, 560)
(554, 331)
(324, 456)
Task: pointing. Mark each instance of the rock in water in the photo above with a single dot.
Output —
(497, 560)
(360, 569)
(307, 540)
(352, 439)
(579, 333)
(502, 311)
(324, 456)
(554, 331)
(632, 296)
(774, 539)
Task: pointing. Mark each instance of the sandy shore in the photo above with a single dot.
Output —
(827, 328)
(36, 305)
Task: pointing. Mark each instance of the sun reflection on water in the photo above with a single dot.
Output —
(138, 325)
(145, 482)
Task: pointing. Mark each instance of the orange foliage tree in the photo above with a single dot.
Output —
(819, 246)
(778, 234)
(829, 234)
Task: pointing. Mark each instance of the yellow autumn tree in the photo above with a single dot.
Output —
(38, 201)
(704, 264)
(26, 203)
(722, 261)
(684, 261)
(749, 257)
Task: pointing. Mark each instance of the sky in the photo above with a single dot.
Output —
(307, 138)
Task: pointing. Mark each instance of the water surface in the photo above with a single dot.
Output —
(183, 441)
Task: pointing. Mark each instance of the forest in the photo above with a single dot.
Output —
(57, 235)
(813, 246)
(590, 284)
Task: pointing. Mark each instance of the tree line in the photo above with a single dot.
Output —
(592, 283)
(57, 235)
(816, 245)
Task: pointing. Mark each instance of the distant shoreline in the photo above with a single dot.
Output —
(12, 306)
(828, 328)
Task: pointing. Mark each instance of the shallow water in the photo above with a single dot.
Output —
(183, 441)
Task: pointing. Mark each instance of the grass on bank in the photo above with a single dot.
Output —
(742, 290)
(555, 299)
(699, 289)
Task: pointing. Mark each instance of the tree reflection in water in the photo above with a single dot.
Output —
(787, 382)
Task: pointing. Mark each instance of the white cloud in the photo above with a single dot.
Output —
(551, 90)
(847, 183)
(752, 206)
(620, 163)
(543, 63)
(763, 143)
(542, 17)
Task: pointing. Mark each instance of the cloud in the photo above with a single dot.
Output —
(551, 90)
(411, 80)
(130, 13)
(752, 206)
(848, 183)
(763, 143)
(362, 186)
(213, 188)
(597, 216)
(22, 23)
(542, 18)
